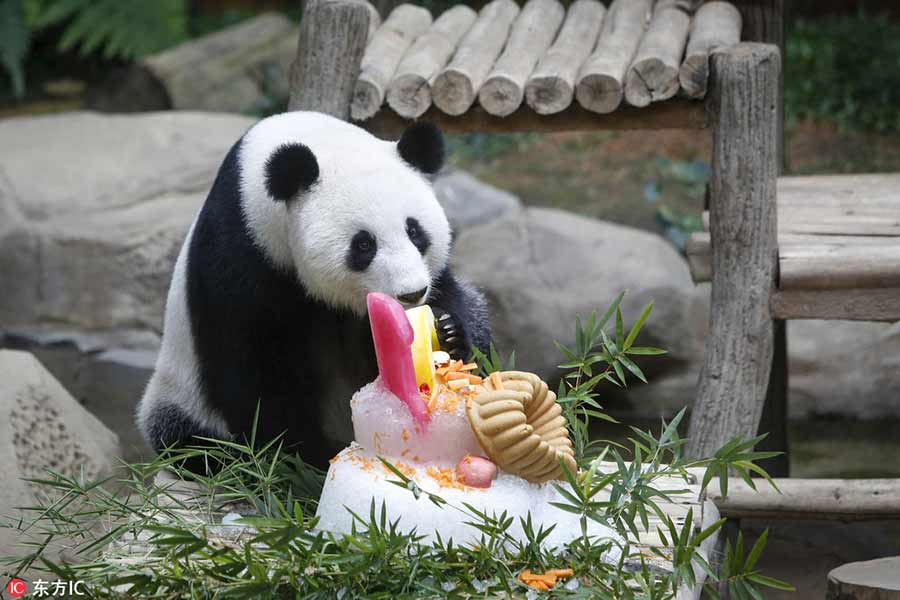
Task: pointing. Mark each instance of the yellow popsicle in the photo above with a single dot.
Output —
(425, 341)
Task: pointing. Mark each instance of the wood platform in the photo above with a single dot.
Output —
(838, 248)
(640, 64)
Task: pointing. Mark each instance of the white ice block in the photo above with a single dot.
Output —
(356, 478)
(383, 426)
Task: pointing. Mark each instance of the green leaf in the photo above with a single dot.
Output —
(645, 351)
(15, 42)
(636, 328)
(771, 582)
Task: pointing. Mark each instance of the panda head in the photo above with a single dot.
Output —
(346, 212)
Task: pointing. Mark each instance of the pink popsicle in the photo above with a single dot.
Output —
(393, 336)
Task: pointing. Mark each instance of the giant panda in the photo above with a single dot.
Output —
(267, 303)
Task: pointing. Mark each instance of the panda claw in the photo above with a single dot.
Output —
(444, 317)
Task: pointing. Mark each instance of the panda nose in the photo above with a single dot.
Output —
(413, 297)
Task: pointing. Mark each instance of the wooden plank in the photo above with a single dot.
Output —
(743, 226)
(456, 87)
(851, 305)
(830, 267)
(699, 256)
(601, 80)
(333, 36)
(393, 38)
(716, 25)
(674, 114)
(653, 74)
(551, 86)
(409, 93)
(841, 499)
(531, 36)
(846, 191)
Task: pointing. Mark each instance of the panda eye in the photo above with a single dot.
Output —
(363, 242)
(417, 235)
(412, 230)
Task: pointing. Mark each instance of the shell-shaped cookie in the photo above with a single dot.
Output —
(520, 426)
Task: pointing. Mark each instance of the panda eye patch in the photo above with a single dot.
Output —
(417, 235)
(362, 251)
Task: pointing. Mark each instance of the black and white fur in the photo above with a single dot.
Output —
(267, 303)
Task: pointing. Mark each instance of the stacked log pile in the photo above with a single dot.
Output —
(544, 56)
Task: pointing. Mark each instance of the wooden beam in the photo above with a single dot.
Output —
(333, 36)
(673, 114)
(653, 74)
(849, 305)
(829, 266)
(716, 25)
(834, 499)
(739, 350)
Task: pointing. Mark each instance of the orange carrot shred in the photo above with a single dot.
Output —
(468, 367)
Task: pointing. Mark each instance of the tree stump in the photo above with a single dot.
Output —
(869, 580)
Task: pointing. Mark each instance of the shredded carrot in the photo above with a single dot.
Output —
(455, 375)
(546, 580)
(442, 371)
(474, 379)
(468, 367)
(496, 380)
(457, 384)
(405, 435)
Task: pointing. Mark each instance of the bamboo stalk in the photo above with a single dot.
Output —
(393, 38)
(409, 93)
(601, 80)
(456, 87)
(531, 36)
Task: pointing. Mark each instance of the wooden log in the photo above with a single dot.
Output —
(410, 90)
(374, 19)
(676, 114)
(456, 87)
(847, 305)
(405, 23)
(653, 74)
(877, 579)
(333, 37)
(841, 499)
(551, 86)
(531, 36)
(840, 191)
(743, 225)
(601, 80)
(231, 70)
(716, 25)
(829, 267)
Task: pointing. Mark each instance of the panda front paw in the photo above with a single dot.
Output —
(451, 336)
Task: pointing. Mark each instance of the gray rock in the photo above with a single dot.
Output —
(844, 369)
(94, 208)
(541, 267)
(468, 201)
(43, 427)
(106, 371)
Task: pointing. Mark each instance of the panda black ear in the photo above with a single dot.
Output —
(422, 146)
(290, 168)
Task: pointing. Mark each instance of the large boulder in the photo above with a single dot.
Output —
(844, 368)
(94, 208)
(43, 427)
(541, 267)
(468, 201)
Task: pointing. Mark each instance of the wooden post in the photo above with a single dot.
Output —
(333, 37)
(763, 21)
(743, 225)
